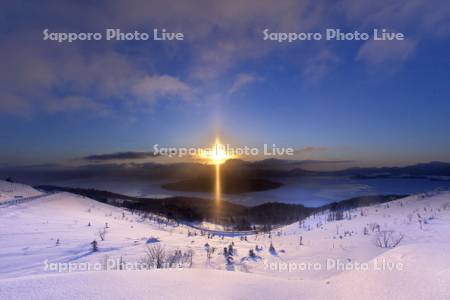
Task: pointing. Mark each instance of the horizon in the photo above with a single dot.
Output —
(306, 164)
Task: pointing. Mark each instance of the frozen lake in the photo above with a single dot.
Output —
(310, 191)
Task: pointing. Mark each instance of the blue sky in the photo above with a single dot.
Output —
(374, 102)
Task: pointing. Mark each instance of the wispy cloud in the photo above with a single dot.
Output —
(241, 81)
(382, 52)
(150, 88)
(130, 155)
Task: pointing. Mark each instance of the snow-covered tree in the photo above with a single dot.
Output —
(94, 246)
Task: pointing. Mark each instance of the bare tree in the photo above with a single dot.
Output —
(102, 234)
(388, 239)
(209, 252)
(156, 256)
(188, 255)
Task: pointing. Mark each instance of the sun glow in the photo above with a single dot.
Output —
(218, 154)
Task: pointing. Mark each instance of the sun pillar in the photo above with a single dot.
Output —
(217, 185)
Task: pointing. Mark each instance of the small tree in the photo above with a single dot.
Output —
(94, 246)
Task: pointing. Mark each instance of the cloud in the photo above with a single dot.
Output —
(310, 149)
(38, 78)
(75, 103)
(222, 38)
(241, 81)
(380, 52)
(424, 18)
(130, 155)
(150, 88)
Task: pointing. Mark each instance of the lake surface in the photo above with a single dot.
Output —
(310, 191)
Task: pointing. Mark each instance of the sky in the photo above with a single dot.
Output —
(373, 102)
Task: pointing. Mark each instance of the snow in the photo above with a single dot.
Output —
(14, 191)
(53, 230)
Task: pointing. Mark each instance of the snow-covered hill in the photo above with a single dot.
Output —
(45, 236)
(14, 191)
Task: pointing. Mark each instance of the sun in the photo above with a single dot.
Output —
(217, 154)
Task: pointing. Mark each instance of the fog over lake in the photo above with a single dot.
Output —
(310, 191)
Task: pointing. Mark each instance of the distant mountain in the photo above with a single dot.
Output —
(433, 169)
(263, 169)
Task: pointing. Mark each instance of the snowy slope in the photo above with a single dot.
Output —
(337, 259)
(14, 191)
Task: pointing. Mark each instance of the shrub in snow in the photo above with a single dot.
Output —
(272, 249)
(229, 261)
(251, 253)
(230, 249)
(374, 227)
(388, 239)
(157, 257)
(173, 260)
